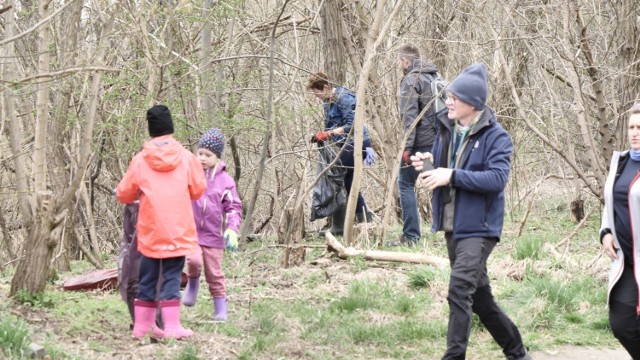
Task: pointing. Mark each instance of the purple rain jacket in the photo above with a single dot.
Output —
(218, 209)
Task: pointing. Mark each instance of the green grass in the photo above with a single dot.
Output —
(190, 352)
(529, 247)
(14, 337)
(422, 277)
(357, 307)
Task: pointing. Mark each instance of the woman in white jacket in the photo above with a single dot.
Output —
(620, 237)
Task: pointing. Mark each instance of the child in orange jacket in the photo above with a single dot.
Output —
(167, 177)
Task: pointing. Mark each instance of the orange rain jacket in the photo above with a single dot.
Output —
(167, 177)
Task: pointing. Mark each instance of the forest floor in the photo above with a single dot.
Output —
(571, 352)
(343, 309)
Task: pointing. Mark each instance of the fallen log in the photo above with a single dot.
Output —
(346, 252)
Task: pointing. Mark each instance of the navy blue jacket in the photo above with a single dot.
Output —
(340, 112)
(479, 181)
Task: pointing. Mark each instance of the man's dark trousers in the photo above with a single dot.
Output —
(470, 291)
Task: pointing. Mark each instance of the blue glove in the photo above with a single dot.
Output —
(231, 238)
(371, 156)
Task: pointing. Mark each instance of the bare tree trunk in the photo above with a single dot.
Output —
(34, 267)
(15, 135)
(59, 151)
(376, 34)
(628, 88)
(597, 86)
(42, 106)
(246, 226)
(50, 212)
(333, 41)
(206, 108)
(6, 236)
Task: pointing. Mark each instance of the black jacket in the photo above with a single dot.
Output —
(415, 93)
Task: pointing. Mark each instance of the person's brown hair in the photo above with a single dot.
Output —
(318, 81)
(409, 52)
(635, 109)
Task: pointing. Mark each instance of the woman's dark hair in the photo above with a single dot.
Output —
(635, 109)
(318, 81)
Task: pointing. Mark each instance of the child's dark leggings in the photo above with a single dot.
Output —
(623, 317)
(150, 273)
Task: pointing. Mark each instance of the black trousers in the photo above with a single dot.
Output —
(623, 317)
(470, 292)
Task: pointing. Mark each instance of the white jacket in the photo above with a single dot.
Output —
(608, 222)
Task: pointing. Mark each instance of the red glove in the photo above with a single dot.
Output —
(405, 157)
(322, 135)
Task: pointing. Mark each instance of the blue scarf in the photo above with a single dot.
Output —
(635, 155)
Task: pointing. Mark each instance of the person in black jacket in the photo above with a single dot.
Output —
(415, 94)
(472, 157)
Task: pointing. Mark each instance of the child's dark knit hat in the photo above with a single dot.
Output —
(159, 120)
(471, 86)
(212, 140)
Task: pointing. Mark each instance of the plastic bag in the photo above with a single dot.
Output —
(328, 194)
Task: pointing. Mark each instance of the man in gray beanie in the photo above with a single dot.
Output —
(472, 160)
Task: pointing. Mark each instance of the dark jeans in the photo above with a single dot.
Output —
(407, 177)
(623, 317)
(150, 273)
(470, 292)
(347, 161)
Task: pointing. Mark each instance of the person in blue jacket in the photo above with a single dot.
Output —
(472, 159)
(339, 105)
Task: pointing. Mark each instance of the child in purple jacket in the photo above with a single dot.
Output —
(217, 214)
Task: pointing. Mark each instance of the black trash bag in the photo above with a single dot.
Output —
(328, 194)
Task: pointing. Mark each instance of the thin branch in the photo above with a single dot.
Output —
(63, 72)
(42, 22)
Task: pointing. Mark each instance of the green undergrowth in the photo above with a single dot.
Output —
(355, 308)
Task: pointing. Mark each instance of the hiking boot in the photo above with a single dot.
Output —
(403, 241)
(337, 222)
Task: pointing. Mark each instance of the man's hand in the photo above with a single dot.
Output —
(609, 248)
(321, 136)
(417, 158)
(231, 238)
(435, 178)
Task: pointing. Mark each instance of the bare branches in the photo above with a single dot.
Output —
(54, 75)
(35, 27)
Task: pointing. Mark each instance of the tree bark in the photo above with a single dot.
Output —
(333, 41)
(628, 85)
(15, 134)
(376, 34)
(246, 226)
(34, 268)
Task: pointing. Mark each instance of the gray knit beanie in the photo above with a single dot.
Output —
(471, 86)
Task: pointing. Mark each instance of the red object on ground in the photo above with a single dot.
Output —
(100, 280)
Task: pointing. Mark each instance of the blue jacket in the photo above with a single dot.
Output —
(340, 112)
(480, 180)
